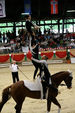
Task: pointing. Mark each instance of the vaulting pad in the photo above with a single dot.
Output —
(35, 85)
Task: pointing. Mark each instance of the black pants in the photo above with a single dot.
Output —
(44, 86)
(15, 77)
(36, 69)
(37, 66)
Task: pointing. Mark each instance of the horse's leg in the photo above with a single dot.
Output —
(5, 97)
(48, 105)
(1, 105)
(19, 102)
(54, 100)
(18, 108)
(58, 110)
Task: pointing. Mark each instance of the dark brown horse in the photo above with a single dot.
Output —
(18, 91)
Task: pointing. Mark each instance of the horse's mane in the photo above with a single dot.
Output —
(58, 73)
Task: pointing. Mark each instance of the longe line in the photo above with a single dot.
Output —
(23, 74)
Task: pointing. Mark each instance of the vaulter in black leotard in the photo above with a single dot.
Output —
(29, 26)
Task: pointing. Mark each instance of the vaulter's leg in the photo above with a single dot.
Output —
(44, 90)
(48, 105)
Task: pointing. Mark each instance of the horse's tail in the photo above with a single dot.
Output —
(5, 96)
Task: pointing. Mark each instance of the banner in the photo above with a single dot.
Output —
(2, 8)
(27, 6)
(54, 6)
(73, 60)
(25, 49)
(4, 58)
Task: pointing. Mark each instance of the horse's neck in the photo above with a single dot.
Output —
(58, 78)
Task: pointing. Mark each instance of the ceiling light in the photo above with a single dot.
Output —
(24, 13)
(70, 11)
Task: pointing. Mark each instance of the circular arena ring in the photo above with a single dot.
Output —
(65, 97)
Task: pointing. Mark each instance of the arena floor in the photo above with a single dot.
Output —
(66, 98)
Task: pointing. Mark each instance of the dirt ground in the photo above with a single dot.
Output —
(66, 98)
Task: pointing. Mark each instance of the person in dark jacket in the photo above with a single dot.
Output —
(35, 54)
(29, 26)
(45, 75)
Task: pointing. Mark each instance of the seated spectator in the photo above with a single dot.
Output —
(52, 43)
(72, 44)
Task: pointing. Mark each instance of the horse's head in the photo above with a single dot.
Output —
(65, 76)
(68, 80)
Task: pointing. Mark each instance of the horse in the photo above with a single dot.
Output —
(18, 91)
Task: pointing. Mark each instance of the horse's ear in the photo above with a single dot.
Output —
(70, 73)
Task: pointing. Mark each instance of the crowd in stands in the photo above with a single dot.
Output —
(47, 40)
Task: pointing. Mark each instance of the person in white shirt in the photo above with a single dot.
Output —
(14, 69)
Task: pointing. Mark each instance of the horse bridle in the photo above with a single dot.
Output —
(69, 78)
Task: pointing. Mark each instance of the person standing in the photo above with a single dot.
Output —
(14, 69)
(34, 48)
(35, 54)
(45, 75)
(29, 26)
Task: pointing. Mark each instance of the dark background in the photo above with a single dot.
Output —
(40, 9)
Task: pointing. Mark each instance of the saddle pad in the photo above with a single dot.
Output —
(34, 86)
